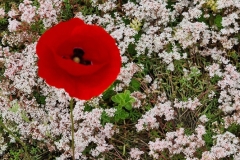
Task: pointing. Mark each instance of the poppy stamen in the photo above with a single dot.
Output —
(78, 57)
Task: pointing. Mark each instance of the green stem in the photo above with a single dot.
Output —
(72, 128)
(16, 138)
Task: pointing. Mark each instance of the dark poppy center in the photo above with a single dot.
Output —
(78, 57)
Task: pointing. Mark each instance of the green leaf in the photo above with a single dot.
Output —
(120, 114)
(128, 106)
(124, 100)
(218, 21)
(131, 49)
(135, 84)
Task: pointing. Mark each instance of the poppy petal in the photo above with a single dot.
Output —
(56, 66)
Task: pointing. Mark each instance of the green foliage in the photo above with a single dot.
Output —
(39, 97)
(218, 21)
(135, 85)
(126, 1)
(36, 3)
(134, 115)
(89, 11)
(38, 27)
(124, 105)
(215, 79)
(202, 19)
(124, 100)
(16, 154)
(177, 157)
(194, 72)
(2, 70)
(208, 138)
(170, 4)
(126, 20)
(121, 114)
(108, 93)
(67, 12)
(131, 49)
(88, 108)
(235, 129)
(3, 21)
(105, 118)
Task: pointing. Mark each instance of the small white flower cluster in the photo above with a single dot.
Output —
(91, 130)
(48, 11)
(149, 120)
(20, 66)
(16, 39)
(153, 41)
(13, 112)
(13, 13)
(110, 112)
(107, 6)
(177, 142)
(214, 69)
(2, 13)
(148, 79)
(190, 104)
(3, 145)
(221, 4)
(126, 74)
(230, 24)
(138, 96)
(27, 11)
(226, 144)
(13, 25)
(135, 153)
(28, 70)
(190, 33)
(230, 95)
(149, 10)
(203, 119)
(168, 57)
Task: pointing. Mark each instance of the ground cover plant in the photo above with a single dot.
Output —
(177, 95)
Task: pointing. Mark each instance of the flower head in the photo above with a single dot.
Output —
(83, 59)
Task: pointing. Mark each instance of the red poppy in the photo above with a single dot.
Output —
(83, 59)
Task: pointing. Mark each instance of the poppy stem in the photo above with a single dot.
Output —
(72, 128)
